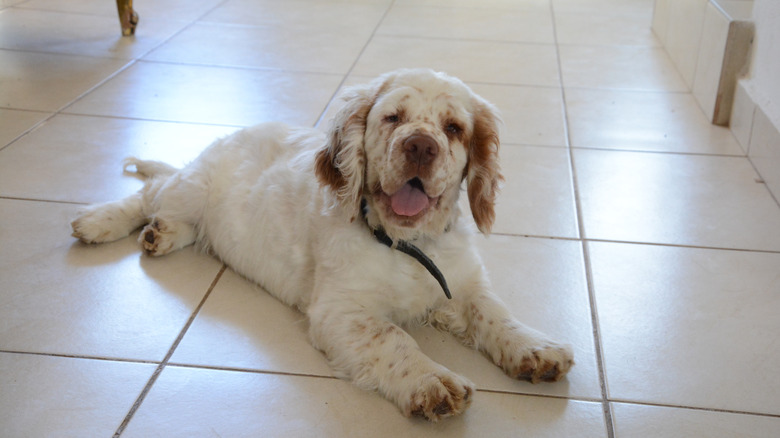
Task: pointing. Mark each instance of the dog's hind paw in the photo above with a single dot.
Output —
(98, 226)
(161, 237)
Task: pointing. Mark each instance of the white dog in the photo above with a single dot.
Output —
(359, 229)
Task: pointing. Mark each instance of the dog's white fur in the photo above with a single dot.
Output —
(282, 207)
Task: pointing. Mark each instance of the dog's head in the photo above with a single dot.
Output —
(404, 143)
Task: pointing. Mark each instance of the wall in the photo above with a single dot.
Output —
(765, 72)
(755, 119)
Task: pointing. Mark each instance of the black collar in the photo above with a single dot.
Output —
(408, 249)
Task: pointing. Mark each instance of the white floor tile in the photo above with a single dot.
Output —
(306, 16)
(47, 82)
(186, 402)
(15, 123)
(243, 326)
(201, 94)
(604, 28)
(689, 327)
(531, 115)
(86, 153)
(537, 196)
(619, 68)
(675, 199)
(58, 396)
(661, 422)
(172, 10)
(537, 6)
(80, 34)
(326, 51)
(644, 121)
(468, 23)
(8, 3)
(386, 53)
(64, 297)
(595, 7)
(543, 283)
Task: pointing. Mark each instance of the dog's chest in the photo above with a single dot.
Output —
(365, 272)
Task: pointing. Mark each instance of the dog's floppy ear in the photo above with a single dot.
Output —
(340, 164)
(482, 171)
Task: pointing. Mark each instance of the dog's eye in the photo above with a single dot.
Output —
(453, 128)
(392, 118)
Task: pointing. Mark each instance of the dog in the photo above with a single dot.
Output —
(359, 228)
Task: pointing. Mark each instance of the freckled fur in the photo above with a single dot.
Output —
(280, 205)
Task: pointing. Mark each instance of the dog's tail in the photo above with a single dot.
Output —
(148, 168)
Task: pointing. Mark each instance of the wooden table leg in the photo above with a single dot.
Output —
(127, 16)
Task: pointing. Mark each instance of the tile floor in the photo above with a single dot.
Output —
(628, 226)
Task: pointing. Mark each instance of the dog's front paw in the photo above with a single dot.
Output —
(548, 362)
(439, 396)
(97, 226)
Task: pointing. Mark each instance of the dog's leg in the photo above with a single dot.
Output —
(162, 236)
(378, 355)
(110, 221)
(114, 220)
(483, 322)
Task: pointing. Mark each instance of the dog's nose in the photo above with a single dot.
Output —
(421, 149)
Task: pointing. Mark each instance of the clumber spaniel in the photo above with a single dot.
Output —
(359, 228)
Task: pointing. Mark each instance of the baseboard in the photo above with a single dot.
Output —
(757, 135)
(709, 43)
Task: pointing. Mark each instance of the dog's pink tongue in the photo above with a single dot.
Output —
(408, 201)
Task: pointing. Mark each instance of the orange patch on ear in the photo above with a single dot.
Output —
(340, 164)
(483, 173)
(326, 170)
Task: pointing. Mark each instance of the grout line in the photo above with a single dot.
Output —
(36, 125)
(39, 51)
(264, 69)
(145, 119)
(51, 201)
(319, 376)
(696, 408)
(675, 245)
(59, 110)
(368, 77)
(594, 316)
(464, 40)
(605, 404)
(100, 83)
(537, 395)
(129, 63)
(137, 59)
(165, 360)
(81, 356)
(508, 234)
(337, 91)
(56, 112)
(247, 370)
(645, 151)
(636, 242)
(629, 90)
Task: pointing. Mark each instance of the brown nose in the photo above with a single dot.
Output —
(421, 149)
